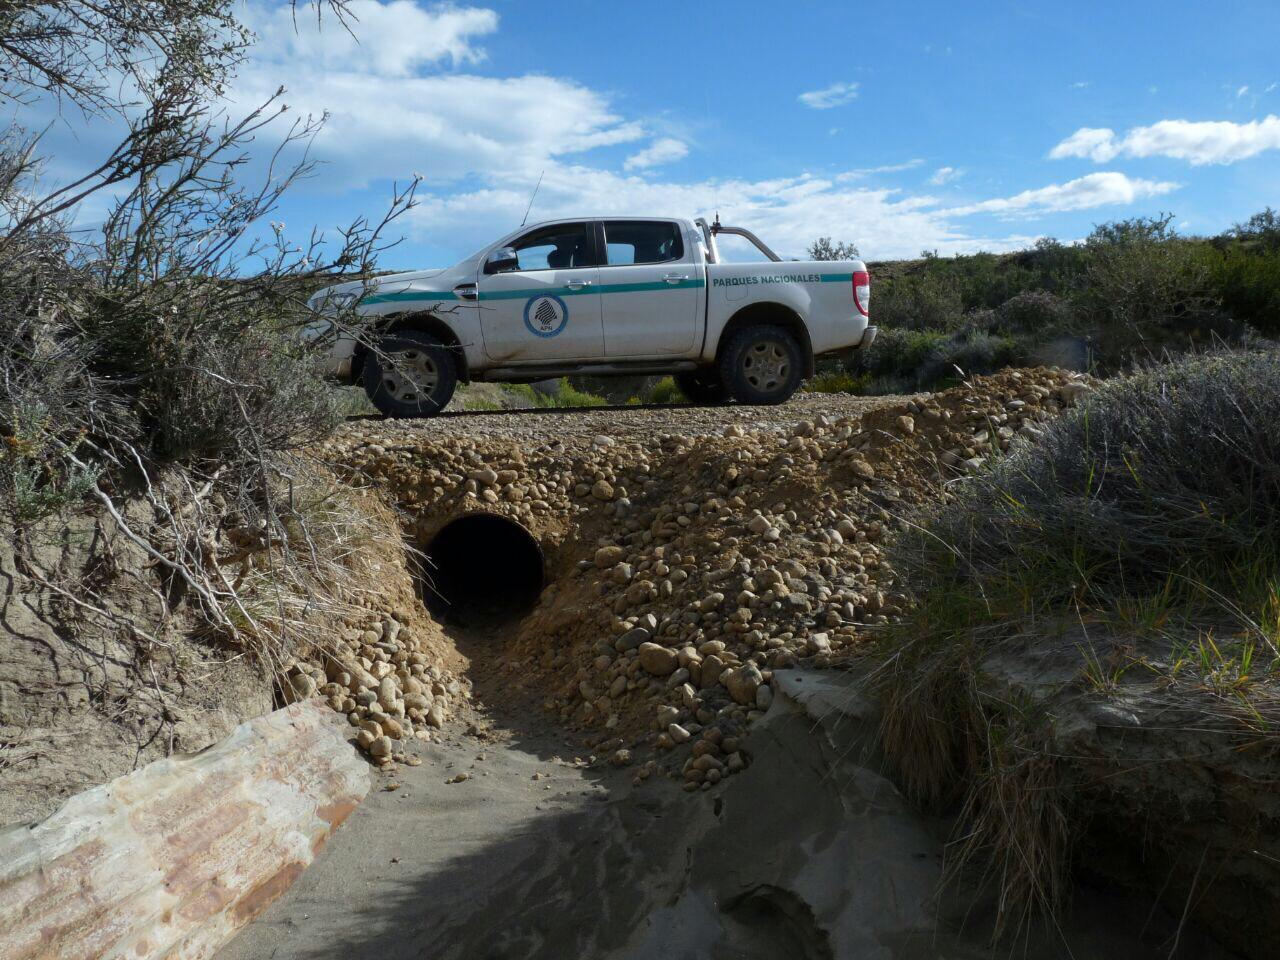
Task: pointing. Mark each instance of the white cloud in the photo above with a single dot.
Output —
(1270, 88)
(1198, 142)
(1097, 143)
(1204, 142)
(863, 172)
(388, 119)
(483, 142)
(1243, 91)
(1080, 85)
(666, 150)
(835, 95)
(401, 101)
(1084, 193)
(389, 39)
(944, 175)
(787, 212)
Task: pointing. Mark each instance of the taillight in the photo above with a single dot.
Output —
(862, 292)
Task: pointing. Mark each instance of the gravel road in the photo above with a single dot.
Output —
(619, 421)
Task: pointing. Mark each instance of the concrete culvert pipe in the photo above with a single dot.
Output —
(482, 569)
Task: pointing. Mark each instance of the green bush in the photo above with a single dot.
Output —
(570, 396)
(565, 395)
(1247, 280)
(33, 482)
(920, 301)
(838, 381)
(908, 360)
(965, 354)
(1134, 292)
(1263, 228)
(185, 370)
(1142, 275)
(664, 391)
(1032, 312)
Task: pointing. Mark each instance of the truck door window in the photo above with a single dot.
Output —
(641, 241)
(561, 246)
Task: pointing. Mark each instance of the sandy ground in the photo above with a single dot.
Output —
(809, 854)
(430, 868)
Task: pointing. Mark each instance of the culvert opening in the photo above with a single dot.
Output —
(482, 569)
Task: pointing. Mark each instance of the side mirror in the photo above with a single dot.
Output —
(501, 260)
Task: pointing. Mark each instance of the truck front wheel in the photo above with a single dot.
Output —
(411, 374)
(701, 386)
(761, 365)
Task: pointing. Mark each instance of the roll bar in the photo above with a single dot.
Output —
(717, 228)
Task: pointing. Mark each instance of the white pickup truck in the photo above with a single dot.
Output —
(596, 296)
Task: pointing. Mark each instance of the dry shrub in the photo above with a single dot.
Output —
(1175, 469)
(325, 563)
(150, 368)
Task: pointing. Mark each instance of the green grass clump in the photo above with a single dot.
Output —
(569, 396)
(664, 391)
(1175, 469)
(838, 381)
(524, 396)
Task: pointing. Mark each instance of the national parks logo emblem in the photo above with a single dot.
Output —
(545, 315)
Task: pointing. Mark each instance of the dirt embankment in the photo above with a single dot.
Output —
(103, 669)
(86, 696)
(684, 567)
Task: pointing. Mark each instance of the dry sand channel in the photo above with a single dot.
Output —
(810, 853)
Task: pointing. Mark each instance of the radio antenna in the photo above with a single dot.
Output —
(531, 199)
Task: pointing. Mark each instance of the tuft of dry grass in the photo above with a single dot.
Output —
(1133, 552)
(324, 565)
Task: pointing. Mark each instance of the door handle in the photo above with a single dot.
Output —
(577, 284)
(675, 277)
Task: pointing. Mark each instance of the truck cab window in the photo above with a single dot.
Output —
(642, 241)
(562, 246)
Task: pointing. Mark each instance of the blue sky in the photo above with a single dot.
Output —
(900, 126)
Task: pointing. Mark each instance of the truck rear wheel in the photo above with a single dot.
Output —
(411, 374)
(761, 364)
(701, 386)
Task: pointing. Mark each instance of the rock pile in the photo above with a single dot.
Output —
(381, 676)
(683, 571)
(388, 668)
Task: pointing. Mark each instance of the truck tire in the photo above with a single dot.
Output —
(761, 364)
(411, 374)
(701, 386)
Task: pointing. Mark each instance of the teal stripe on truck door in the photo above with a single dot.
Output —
(652, 285)
(410, 296)
(602, 288)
